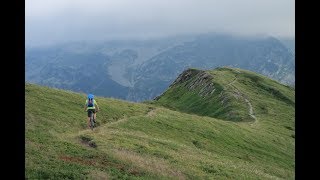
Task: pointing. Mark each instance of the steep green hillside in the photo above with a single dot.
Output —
(148, 141)
(226, 93)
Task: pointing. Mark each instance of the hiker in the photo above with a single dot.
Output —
(90, 106)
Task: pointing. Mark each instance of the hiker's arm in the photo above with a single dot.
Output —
(97, 106)
(85, 107)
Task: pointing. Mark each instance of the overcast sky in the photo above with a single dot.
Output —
(55, 21)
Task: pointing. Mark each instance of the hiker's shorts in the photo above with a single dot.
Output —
(91, 111)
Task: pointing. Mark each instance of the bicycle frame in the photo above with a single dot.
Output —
(91, 120)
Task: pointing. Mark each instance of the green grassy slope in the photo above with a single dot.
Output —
(225, 93)
(148, 141)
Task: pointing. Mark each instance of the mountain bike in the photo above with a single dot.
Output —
(91, 120)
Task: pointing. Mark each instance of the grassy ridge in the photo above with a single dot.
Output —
(148, 141)
(232, 90)
(218, 103)
(51, 117)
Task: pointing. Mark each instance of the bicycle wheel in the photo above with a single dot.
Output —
(91, 121)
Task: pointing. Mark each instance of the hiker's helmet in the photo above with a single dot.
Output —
(90, 96)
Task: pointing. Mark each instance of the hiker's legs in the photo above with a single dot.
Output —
(94, 115)
(89, 115)
(89, 122)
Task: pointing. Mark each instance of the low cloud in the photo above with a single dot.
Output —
(55, 21)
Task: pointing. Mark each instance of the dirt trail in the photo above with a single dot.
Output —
(251, 113)
(234, 80)
(150, 113)
(250, 109)
(118, 121)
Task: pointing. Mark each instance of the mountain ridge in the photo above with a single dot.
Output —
(219, 92)
(149, 141)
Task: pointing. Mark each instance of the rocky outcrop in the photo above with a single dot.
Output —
(194, 79)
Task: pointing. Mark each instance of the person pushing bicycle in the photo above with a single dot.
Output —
(90, 106)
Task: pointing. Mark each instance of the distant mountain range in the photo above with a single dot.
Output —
(289, 43)
(141, 70)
